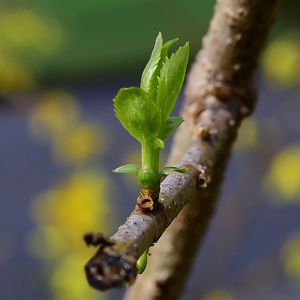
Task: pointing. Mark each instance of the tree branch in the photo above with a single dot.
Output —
(219, 94)
(220, 83)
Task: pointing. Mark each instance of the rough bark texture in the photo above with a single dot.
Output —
(218, 95)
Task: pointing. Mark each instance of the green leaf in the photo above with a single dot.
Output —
(166, 47)
(159, 143)
(170, 127)
(149, 76)
(170, 81)
(137, 113)
(129, 169)
(154, 82)
(169, 170)
(142, 262)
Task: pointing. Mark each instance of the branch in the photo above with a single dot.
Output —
(220, 82)
(218, 96)
(115, 261)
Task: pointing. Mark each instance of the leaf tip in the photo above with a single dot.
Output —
(127, 169)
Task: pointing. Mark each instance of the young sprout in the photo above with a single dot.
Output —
(145, 113)
(142, 262)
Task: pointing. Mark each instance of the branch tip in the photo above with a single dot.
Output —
(105, 271)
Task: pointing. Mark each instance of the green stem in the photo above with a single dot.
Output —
(156, 160)
(149, 175)
(147, 157)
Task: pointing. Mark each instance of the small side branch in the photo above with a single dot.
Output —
(114, 264)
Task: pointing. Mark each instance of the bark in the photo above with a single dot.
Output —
(218, 95)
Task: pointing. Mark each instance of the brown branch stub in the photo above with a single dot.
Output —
(145, 203)
(105, 270)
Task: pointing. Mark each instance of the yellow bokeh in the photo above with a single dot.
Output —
(283, 177)
(218, 295)
(48, 244)
(56, 119)
(291, 257)
(247, 135)
(26, 29)
(25, 35)
(79, 144)
(53, 115)
(281, 61)
(13, 75)
(68, 280)
(76, 206)
(62, 216)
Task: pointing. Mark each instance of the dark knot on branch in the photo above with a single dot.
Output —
(105, 269)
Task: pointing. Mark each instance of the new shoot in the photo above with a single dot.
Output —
(145, 112)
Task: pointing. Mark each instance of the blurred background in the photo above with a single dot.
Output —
(61, 63)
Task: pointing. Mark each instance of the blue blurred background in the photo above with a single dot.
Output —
(61, 63)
